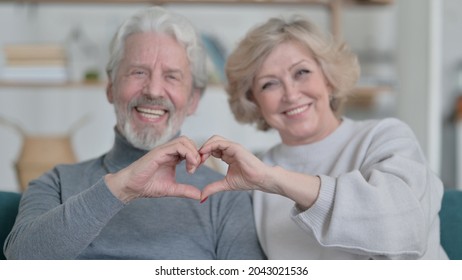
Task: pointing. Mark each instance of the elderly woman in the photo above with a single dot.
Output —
(334, 188)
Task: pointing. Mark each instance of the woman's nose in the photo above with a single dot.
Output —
(291, 92)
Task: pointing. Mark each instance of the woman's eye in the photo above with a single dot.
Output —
(268, 85)
(302, 72)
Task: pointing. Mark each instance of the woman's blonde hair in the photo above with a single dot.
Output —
(339, 65)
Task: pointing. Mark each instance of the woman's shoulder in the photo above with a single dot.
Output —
(389, 121)
(378, 132)
(381, 125)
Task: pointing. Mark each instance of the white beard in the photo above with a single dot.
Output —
(148, 140)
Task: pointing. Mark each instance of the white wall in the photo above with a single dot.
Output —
(419, 63)
(53, 110)
(430, 64)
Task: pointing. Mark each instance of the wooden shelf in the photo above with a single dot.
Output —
(364, 96)
(334, 8)
(159, 2)
(322, 2)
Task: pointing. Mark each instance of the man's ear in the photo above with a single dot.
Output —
(194, 101)
(109, 93)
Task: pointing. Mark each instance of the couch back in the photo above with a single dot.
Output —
(451, 223)
(9, 202)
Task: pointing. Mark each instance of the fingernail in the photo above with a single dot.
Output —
(204, 199)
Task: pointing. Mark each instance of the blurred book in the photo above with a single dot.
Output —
(32, 51)
(216, 58)
(35, 62)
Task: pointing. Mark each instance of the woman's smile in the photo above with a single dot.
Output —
(297, 111)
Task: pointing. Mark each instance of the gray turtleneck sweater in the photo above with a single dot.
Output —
(69, 213)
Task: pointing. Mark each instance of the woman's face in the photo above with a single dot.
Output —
(293, 95)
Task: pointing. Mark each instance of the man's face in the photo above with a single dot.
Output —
(152, 92)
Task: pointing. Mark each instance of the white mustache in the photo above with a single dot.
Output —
(156, 101)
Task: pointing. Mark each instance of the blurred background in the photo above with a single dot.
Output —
(53, 55)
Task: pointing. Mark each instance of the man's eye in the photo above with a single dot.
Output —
(172, 77)
(138, 72)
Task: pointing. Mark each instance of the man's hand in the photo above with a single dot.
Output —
(245, 170)
(153, 175)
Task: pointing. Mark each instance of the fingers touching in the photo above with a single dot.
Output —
(173, 152)
(153, 175)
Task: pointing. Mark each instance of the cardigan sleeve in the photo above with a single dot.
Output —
(386, 206)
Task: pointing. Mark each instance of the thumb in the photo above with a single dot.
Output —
(215, 187)
(185, 191)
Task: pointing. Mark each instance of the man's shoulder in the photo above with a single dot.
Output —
(81, 165)
(82, 169)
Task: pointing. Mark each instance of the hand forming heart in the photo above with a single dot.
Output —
(153, 175)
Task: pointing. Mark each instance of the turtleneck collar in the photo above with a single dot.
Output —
(123, 153)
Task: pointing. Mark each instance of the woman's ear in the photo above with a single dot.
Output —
(251, 98)
(109, 93)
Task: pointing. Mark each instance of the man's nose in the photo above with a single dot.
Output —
(154, 87)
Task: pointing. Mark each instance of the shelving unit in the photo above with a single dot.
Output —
(334, 8)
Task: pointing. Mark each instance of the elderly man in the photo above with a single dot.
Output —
(141, 199)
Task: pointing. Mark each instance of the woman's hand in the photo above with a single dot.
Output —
(245, 170)
(153, 175)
